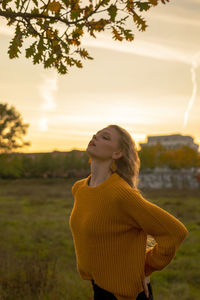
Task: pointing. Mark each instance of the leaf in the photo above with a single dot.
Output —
(41, 46)
(75, 14)
(35, 2)
(66, 2)
(117, 36)
(74, 42)
(128, 35)
(65, 46)
(15, 43)
(55, 42)
(62, 69)
(75, 5)
(5, 3)
(83, 53)
(69, 61)
(30, 31)
(37, 58)
(87, 10)
(98, 25)
(31, 50)
(49, 62)
(50, 34)
(78, 63)
(104, 2)
(163, 1)
(140, 22)
(54, 6)
(35, 11)
(143, 5)
(77, 33)
(153, 2)
(129, 5)
(112, 10)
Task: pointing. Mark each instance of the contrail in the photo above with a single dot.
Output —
(46, 91)
(195, 65)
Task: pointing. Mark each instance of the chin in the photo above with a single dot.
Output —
(87, 150)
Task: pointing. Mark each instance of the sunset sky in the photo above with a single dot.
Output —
(150, 86)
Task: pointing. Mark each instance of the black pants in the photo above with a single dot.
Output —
(101, 294)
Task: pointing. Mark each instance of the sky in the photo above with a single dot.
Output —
(150, 86)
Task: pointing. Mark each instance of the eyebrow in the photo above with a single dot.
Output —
(104, 132)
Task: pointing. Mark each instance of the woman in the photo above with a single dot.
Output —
(110, 221)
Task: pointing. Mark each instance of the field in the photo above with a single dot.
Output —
(37, 259)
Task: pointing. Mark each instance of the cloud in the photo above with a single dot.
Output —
(139, 47)
(177, 20)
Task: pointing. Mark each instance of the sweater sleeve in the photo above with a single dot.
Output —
(167, 230)
(75, 186)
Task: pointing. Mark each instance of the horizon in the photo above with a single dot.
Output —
(84, 149)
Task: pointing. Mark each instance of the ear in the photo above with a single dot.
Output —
(117, 155)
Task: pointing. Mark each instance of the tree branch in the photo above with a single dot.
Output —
(12, 15)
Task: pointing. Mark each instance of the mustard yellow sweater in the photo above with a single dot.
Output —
(109, 225)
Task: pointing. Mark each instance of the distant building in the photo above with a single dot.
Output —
(172, 141)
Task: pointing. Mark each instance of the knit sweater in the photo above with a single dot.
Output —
(109, 224)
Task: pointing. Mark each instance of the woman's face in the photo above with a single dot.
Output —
(104, 144)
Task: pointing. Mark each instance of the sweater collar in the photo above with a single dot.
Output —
(106, 182)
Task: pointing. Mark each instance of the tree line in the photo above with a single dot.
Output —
(75, 162)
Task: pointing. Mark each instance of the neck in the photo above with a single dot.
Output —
(99, 172)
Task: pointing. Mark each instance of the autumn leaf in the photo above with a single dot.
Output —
(69, 61)
(54, 6)
(78, 63)
(87, 10)
(49, 34)
(117, 36)
(128, 35)
(83, 53)
(75, 42)
(153, 2)
(163, 1)
(77, 33)
(55, 43)
(139, 22)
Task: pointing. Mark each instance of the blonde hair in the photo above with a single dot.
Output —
(128, 165)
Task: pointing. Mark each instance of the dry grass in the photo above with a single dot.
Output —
(37, 259)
